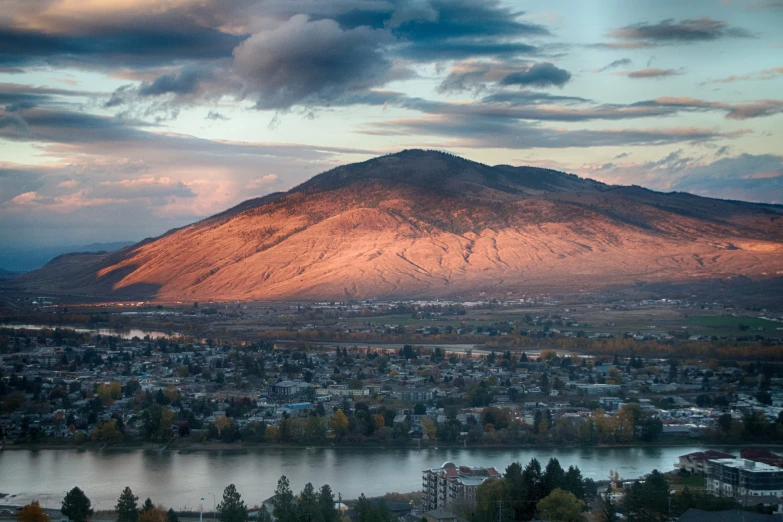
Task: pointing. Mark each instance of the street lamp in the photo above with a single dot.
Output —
(214, 509)
(201, 511)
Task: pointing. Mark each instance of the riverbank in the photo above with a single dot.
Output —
(187, 447)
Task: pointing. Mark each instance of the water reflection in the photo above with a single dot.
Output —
(179, 479)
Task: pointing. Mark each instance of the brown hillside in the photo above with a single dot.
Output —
(427, 224)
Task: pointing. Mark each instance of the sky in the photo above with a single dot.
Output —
(121, 119)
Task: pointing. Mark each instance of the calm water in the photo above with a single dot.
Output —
(178, 480)
(125, 333)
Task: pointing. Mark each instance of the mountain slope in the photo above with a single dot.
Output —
(430, 224)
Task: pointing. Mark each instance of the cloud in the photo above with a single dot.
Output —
(540, 75)
(263, 181)
(746, 177)
(741, 111)
(622, 62)
(105, 35)
(184, 82)
(475, 131)
(216, 116)
(685, 31)
(766, 74)
(311, 62)
(147, 187)
(652, 73)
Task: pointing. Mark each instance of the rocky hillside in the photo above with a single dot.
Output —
(428, 224)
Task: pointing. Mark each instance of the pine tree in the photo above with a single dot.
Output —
(171, 516)
(232, 508)
(285, 506)
(608, 511)
(127, 509)
(326, 503)
(148, 505)
(77, 506)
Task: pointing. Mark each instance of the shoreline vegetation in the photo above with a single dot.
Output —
(236, 446)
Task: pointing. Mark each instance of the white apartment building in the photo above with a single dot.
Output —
(742, 478)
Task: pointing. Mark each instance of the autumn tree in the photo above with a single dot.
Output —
(127, 507)
(339, 423)
(155, 514)
(77, 506)
(32, 512)
(232, 508)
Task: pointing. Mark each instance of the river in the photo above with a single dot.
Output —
(179, 480)
(123, 333)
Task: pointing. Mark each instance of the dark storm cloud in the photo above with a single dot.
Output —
(17, 96)
(685, 31)
(454, 50)
(154, 41)
(306, 61)
(461, 19)
(540, 75)
(184, 82)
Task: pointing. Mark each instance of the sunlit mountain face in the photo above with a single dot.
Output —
(120, 120)
(429, 224)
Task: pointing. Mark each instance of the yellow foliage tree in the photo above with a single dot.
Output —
(271, 434)
(156, 514)
(339, 423)
(32, 512)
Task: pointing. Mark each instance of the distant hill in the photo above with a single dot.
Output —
(428, 224)
(24, 260)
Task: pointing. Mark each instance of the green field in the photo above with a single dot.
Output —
(730, 321)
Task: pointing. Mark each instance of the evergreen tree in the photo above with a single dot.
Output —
(326, 505)
(608, 511)
(127, 507)
(171, 516)
(308, 507)
(283, 501)
(77, 506)
(554, 476)
(148, 505)
(232, 508)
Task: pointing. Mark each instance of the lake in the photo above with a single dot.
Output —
(178, 480)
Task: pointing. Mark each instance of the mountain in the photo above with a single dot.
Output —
(428, 224)
(24, 260)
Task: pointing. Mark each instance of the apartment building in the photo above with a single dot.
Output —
(742, 478)
(451, 485)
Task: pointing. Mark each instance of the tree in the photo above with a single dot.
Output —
(127, 507)
(32, 512)
(148, 505)
(326, 504)
(607, 510)
(171, 516)
(77, 506)
(232, 508)
(561, 505)
(429, 427)
(283, 502)
(156, 514)
(338, 423)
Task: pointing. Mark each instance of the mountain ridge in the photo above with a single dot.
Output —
(430, 224)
